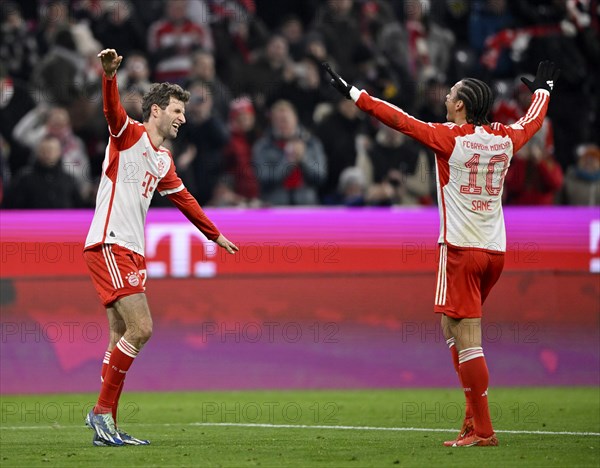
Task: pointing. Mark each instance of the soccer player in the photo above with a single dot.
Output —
(472, 158)
(135, 165)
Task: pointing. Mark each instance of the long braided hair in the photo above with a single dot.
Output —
(478, 99)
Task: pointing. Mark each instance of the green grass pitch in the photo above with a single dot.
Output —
(542, 427)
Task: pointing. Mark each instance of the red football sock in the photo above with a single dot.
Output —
(104, 369)
(105, 362)
(474, 376)
(451, 344)
(116, 404)
(121, 359)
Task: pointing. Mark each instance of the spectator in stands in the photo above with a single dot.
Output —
(135, 74)
(402, 172)
(376, 75)
(54, 17)
(199, 12)
(315, 47)
(534, 177)
(374, 15)
(238, 34)
(4, 170)
(455, 15)
(487, 18)
(430, 45)
(132, 102)
(303, 88)
(293, 30)
(147, 12)
(170, 42)
(240, 186)
(390, 47)
(45, 184)
(61, 76)
(529, 12)
(352, 188)
(290, 163)
(15, 102)
(573, 43)
(337, 22)
(43, 121)
(582, 182)
(18, 45)
(120, 28)
(200, 143)
(338, 132)
(272, 11)
(203, 69)
(429, 109)
(265, 75)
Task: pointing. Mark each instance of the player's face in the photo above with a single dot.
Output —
(171, 118)
(451, 102)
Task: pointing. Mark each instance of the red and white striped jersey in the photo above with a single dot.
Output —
(165, 35)
(471, 163)
(132, 170)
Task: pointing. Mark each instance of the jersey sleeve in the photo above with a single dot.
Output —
(123, 130)
(188, 205)
(523, 129)
(438, 137)
(113, 110)
(170, 183)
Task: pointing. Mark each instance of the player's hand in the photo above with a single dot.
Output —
(222, 241)
(337, 82)
(110, 61)
(545, 78)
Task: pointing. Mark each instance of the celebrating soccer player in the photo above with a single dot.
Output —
(135, 165)
(472, 158)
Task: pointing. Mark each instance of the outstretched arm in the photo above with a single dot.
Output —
(438, 137)
(188, 205)
(172, 186)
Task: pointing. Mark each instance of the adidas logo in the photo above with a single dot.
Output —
(112, 234)
(550, 84)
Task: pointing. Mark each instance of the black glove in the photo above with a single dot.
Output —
(545, 78)
(337, 82)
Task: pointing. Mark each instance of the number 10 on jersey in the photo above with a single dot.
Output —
(498, 164)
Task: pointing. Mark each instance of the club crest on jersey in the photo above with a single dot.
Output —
(161, 168)
(133, 279)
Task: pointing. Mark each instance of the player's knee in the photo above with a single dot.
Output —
(140, 333)
(145, 332)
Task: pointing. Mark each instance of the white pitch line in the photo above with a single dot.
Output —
(309, 426)
(373, 428)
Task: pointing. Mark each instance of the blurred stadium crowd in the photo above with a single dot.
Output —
(264, 128)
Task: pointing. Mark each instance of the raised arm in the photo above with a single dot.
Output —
(541, 87)
(113, 110)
